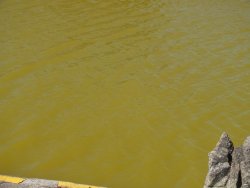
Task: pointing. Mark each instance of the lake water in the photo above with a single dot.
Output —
(121, 93)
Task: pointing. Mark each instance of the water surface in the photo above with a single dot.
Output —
(121, 93)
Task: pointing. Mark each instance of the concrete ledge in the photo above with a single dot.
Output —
(16, 182)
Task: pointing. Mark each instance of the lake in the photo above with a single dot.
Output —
(121, 93)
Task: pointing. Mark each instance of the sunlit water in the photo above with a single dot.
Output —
(121, 93)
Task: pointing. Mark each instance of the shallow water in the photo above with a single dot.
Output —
(121, 93)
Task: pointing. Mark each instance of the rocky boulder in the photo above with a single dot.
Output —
(229, 167)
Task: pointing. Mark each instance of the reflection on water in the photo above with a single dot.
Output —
(121, 93)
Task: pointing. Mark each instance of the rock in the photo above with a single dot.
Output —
(229, 167)
(234, 180)
(245, 164)
(219, 163)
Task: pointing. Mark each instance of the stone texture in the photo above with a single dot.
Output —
(234, 180)
(31, 183)
(13, 185)
(219, 163)
(41, 183)
(229, 167)
(15, 182)
(245, 164)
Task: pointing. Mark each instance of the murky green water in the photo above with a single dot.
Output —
(121, 93)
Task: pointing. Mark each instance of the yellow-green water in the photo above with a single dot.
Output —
(121, 93)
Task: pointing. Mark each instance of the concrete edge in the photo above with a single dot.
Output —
(9, 181)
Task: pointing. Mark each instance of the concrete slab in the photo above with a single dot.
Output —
(41, 182)
(16, 182)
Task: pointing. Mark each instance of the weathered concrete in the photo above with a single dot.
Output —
(15, 182)
(41, 183)
(229, 167)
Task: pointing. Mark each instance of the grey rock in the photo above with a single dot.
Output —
(245, 164)
(229, 167)
(234, 180)
(219, 163)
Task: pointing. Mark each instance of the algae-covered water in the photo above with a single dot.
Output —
(121, 93)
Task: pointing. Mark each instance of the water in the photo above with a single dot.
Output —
(121, 93)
